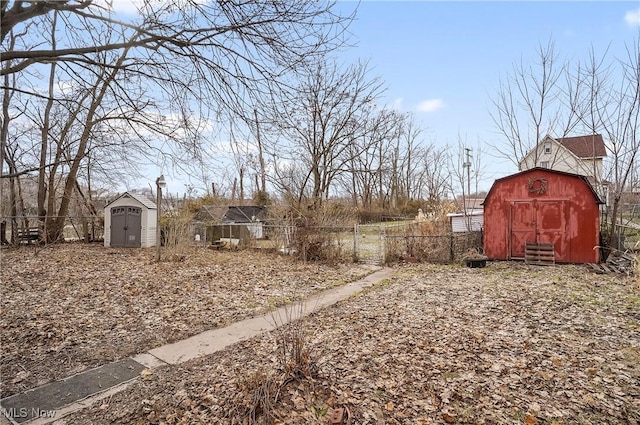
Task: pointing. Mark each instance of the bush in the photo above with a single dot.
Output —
(256, 397)
(259, 393)
(318, 236)
(318, 244)
(176, 235)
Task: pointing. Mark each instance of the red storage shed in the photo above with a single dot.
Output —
(542, 206)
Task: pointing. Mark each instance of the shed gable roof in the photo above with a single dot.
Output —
(585, 147)
(585, 179)
(141, 199)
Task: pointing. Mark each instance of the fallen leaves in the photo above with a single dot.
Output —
(449, 418)
(20, 376)
(506, 344)
(70, 307)
(146, 374)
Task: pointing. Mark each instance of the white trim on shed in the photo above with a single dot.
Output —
(148, 217)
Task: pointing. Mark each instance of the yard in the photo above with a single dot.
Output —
(75, 306)
(506, 344)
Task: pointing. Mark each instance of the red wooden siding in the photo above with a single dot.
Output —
(542, 206)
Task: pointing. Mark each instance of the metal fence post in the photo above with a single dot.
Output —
(382, 250)
(356, 244)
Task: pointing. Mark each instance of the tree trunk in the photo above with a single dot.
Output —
(263, 173)
(44, 135)
(612, 241)
(317, 190)
(55, 231)
(241, 197)
(233, 189)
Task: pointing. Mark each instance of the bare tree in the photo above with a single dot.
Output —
(373, 160)
(226, 39)
(422, 167)
(608, 102)
(432, 179)
(155, 80)
(530, 105)
(290, 179)
(11, 154)
(410, 150)
(325, 120)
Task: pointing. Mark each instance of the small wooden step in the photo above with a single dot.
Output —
(541, 254)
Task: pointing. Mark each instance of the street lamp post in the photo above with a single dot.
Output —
(160, 184)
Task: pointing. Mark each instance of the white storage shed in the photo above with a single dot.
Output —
(472, 221)
(130, 221)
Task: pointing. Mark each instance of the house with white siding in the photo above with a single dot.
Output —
(581, 155)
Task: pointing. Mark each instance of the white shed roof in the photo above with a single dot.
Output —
(468, 213)
(146, 202)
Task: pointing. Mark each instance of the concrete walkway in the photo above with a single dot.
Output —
(51, 402)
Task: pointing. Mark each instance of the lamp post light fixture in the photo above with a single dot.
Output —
(161, 183)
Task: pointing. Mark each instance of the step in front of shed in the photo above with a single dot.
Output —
(541, 254)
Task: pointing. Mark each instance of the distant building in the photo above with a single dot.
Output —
(471, 221)
(581, 155)
(231, 214)
(232, 222)
(468, 204)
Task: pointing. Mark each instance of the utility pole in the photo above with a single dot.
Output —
(467, 165)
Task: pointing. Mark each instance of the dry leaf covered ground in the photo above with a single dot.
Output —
(72, 307)
(507, 344)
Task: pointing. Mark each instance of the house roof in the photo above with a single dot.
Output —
(148, 203)
(585, 179)
(231, 214)
(467, 203)
(211, 213)
(590, 146)
(243, 213)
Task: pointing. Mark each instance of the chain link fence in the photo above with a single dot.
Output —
(22, 230)
(371, 243)
(422, 241)
(378, 243)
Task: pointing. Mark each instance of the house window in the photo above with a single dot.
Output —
(547, 148)
(544, 164)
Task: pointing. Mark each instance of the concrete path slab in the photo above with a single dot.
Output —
(218, 339)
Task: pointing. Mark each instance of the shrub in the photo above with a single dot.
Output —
(294, 355)
(258, 394)
(176, 235)
(256, 397)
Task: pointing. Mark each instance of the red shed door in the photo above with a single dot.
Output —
(522, 227)
(537, 222)
(551, 225)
